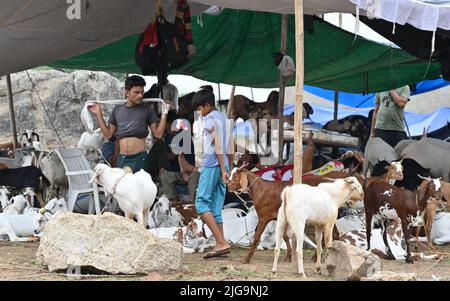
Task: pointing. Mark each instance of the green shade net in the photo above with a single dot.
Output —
(236, 48)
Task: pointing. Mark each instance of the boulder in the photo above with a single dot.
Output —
(107, 242)
(345, 261)
(392, 276)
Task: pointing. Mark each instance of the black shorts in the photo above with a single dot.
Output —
(391, 137)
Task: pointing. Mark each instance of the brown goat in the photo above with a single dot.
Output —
(266, 197)
(389, 202)
(266, 200)
(308, 155)
(394, 172)
(431, 209)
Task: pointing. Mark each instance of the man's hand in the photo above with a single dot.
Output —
(225, 176)
(165, 107)
(95, 108)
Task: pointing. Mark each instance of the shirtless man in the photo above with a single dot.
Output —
(130, 123)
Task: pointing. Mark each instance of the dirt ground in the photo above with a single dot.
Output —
(19, 263)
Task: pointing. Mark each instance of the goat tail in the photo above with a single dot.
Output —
(283, 197)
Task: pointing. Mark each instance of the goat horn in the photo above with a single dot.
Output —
(245, 164)
(423, 178)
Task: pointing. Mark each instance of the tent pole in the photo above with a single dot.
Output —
(218, 88)
(336, 103)
(230, 103)
(284, 30)
(12, 116)
(299, 78)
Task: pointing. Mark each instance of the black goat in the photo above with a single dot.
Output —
(411, 172)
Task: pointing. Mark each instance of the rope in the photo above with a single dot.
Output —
(432, 266)
(46, 112)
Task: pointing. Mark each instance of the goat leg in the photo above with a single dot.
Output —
(289, 248)
(259, 230)
(386, 244)
(428, 228)
(407, 233)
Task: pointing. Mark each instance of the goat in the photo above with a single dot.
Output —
(24, 177)
(433, 207)
(163, 215)
(411, 170)
(135, 193)
(388, 202)
(53, 169)
(91, 141)
(319, 206)
(392, 172)
(377, 150)
(266, 200)
(21, 227)
(32, 139)
(354, 125)
(16, 205)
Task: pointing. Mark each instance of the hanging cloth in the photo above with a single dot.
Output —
(184, 25)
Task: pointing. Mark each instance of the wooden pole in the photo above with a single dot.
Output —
(218, 88)
(230, 103)
(284, 30)
(299, 79)
(12, 116)
(336, 103)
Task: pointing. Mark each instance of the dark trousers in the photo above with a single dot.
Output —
(391, 137)
(157, 158)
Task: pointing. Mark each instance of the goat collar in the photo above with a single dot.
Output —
(117, 183)
(248, 188)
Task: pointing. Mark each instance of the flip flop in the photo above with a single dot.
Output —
(216, 253)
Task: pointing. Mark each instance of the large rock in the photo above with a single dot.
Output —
(63, 95)
(345, 261)
(392, 276)
(108, 242)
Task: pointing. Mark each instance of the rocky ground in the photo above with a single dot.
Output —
(19, 263)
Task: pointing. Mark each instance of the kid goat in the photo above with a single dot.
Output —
(319, 206)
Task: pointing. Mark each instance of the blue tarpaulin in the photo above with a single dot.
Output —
(368, 100)
(416, 122)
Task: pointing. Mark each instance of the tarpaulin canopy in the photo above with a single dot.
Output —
(416, 122)
(236, 48)
(368, 100)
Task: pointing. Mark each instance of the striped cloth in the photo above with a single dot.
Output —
(184, 25)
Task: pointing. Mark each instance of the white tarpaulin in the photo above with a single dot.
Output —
(425, 16)
(39, 32)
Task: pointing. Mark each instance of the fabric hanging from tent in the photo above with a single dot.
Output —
(236, 48)
(425, 16)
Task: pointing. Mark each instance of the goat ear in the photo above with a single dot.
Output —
(243, 181)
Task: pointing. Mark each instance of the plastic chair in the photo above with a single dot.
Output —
(79, 173)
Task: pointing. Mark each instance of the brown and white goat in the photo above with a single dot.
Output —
(394, 172)
(388, 202)
(266, 200)
(302, 204)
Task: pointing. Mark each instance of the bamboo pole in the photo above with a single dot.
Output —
(284, 30)
(336, 104)
(230, 103)
(299, 79)
(12, 116)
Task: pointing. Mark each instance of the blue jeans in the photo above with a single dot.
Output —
(211, 193)
(135, 162)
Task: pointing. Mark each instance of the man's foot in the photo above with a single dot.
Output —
(185, 166)
(216, 253)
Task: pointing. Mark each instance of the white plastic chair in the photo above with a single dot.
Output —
(79, 173)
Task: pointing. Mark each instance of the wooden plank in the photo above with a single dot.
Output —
(325, 137)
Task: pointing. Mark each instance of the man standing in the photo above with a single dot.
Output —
(388, 121)
(130, 123)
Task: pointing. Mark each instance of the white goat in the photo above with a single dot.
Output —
(316, 205)
(21, 227)
(16, 205)
(163, 215)
(135, 193)
(91, 141)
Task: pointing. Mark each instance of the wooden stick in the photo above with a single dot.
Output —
(12, 116)
(299, 79)
(230, 103)
(284, 31)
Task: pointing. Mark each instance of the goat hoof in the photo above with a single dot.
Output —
(317, 269)
(246, 260)
(409, 260)
(302, 275)
(288, 258)
(274, 273)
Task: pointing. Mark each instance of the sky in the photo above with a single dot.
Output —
(187, 84)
